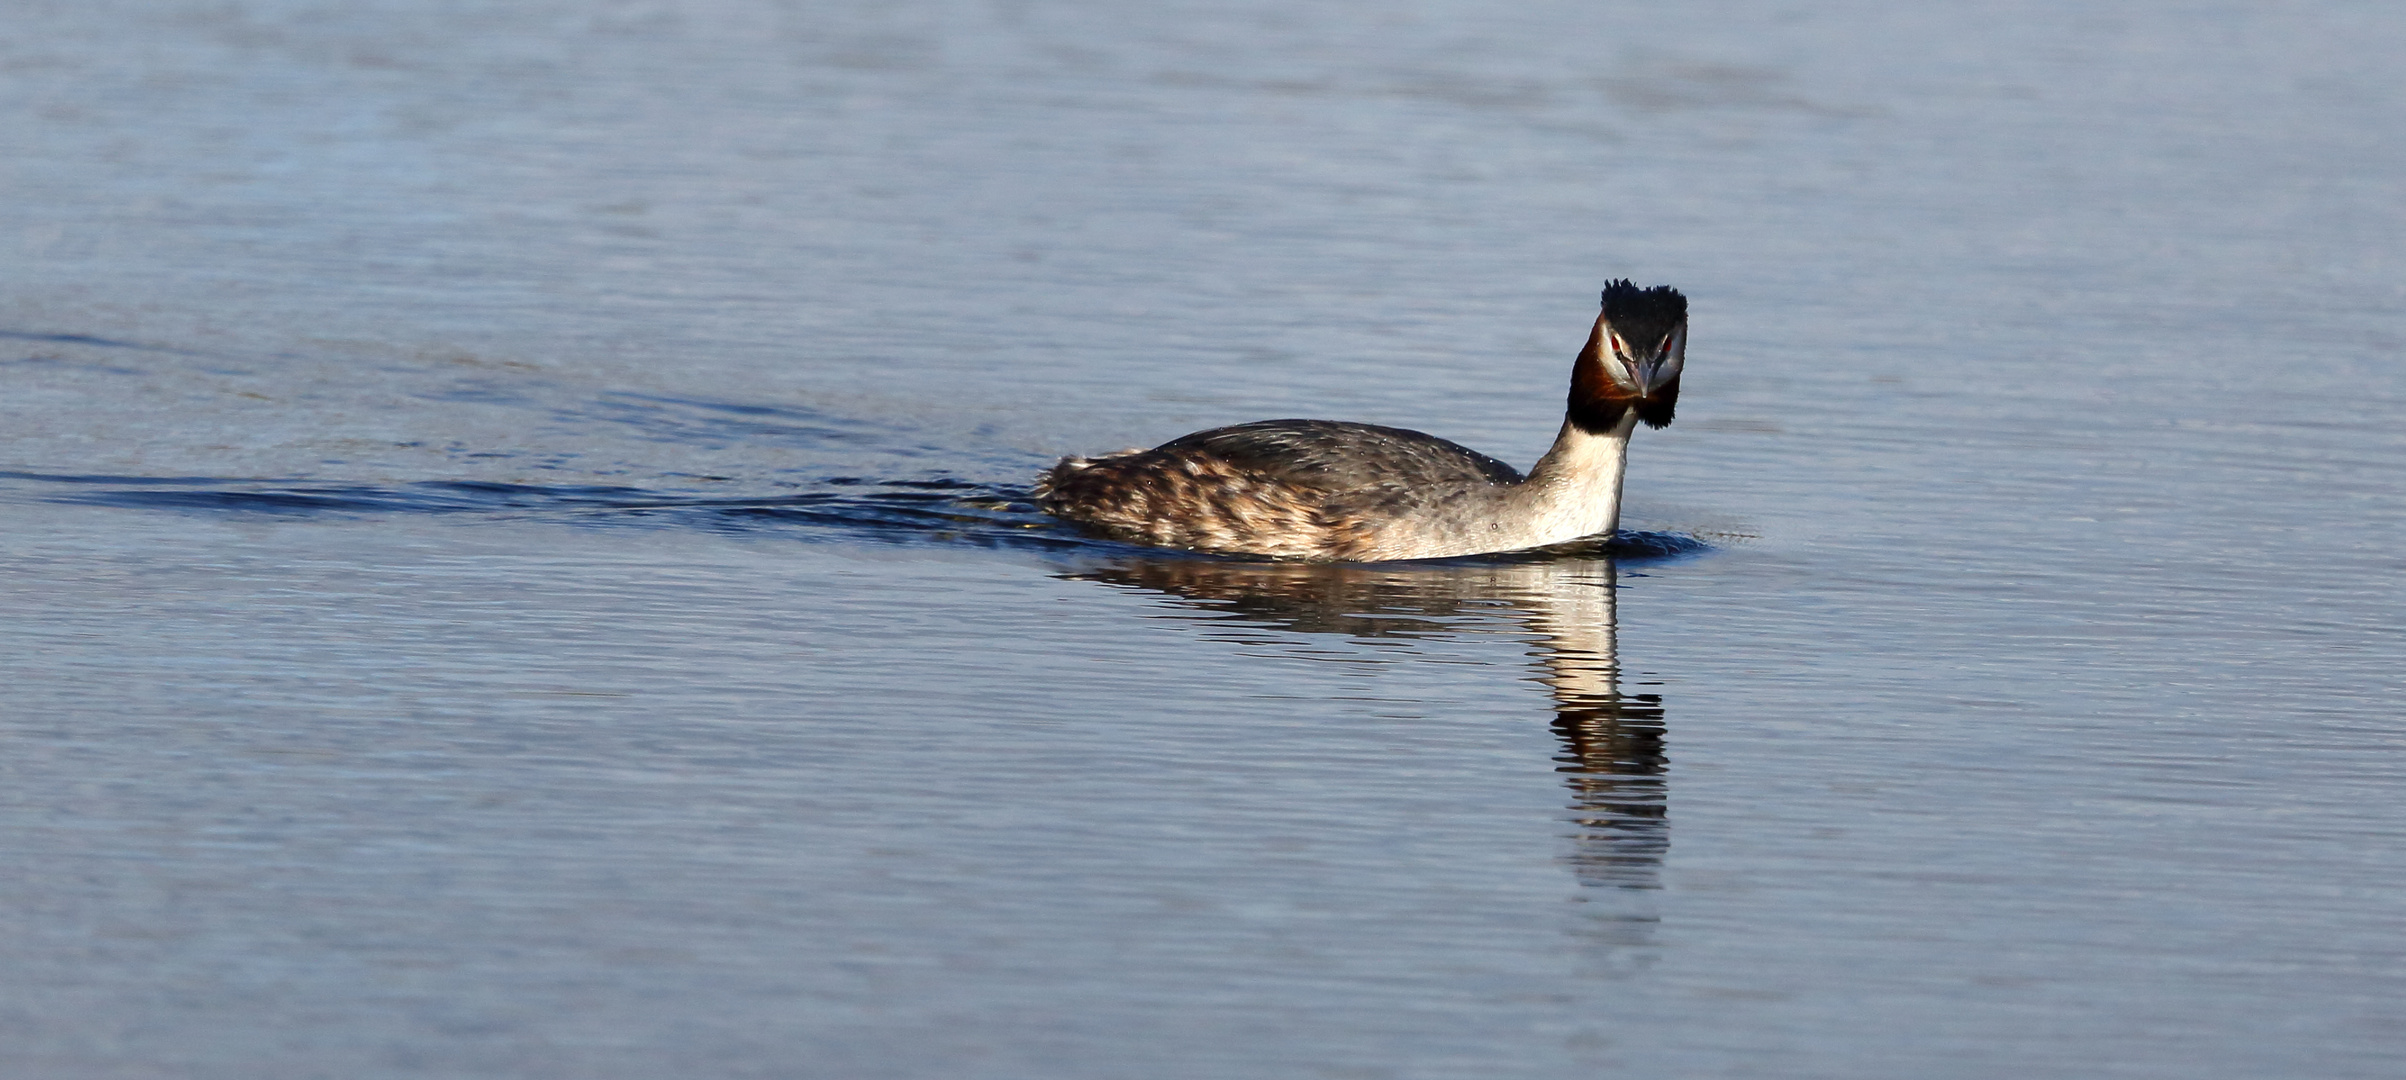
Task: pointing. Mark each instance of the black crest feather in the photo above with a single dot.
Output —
(1643, 314)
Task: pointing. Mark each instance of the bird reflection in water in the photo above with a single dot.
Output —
(1611, 756)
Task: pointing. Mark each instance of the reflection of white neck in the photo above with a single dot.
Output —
(1573, 606)
(1575, 490)
(1563, 610)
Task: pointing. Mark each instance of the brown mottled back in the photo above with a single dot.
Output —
(1311, 489)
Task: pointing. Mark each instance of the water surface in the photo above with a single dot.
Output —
(514, 534)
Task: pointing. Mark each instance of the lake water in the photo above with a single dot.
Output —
(515, 558)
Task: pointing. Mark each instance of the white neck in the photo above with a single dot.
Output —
(1572, 492)
(1575, 490)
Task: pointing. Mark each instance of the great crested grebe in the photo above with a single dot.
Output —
(1337, 492)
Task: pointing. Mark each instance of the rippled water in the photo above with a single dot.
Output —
(514, 536)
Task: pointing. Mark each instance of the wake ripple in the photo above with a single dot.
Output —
(939, 511)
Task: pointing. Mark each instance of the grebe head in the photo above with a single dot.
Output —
(1643, 336)
(1633, 358)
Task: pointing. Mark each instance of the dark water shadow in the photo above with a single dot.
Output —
(1611, 758)
(920, 511)
(90, 341)
(929, 508)
(935, 510)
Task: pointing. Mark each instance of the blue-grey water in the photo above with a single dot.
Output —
(515, 559)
